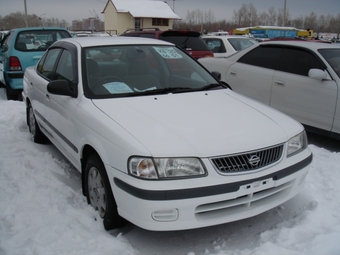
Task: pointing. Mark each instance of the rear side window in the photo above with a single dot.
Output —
(215, 45)
(267, 57)
(186, 42)
(147, 35)
(298, 61)
(38, 40)
(46, 64)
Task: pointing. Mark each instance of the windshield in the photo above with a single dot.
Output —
(124, 71)
(332, 56)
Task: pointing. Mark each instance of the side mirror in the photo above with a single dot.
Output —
(62, 88)
(317, 74)
(217, 75)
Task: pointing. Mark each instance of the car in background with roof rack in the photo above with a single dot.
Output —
(188, 40)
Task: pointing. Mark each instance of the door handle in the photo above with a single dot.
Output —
(280, 83)
(47, 97)
(232, 73)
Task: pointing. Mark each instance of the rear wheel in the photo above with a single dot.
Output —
(99, 193)
(13, 94)
(38, 136)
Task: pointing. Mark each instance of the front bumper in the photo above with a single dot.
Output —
(179, 209)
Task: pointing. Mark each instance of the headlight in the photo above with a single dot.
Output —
(160, 168)
(297, 144)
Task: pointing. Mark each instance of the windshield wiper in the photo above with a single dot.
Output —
(210, 86)
(173, 90)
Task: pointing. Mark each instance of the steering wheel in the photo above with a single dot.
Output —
(97, 87)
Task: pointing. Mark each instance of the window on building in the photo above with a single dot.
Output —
(160, 22)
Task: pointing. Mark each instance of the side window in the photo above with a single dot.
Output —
(64, 69)
(5, 42)
(267, 57)
(46, 64)
(298, 61)
(215, 45)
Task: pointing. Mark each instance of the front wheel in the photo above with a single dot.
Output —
(99, 193)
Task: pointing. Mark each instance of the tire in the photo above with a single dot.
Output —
(10, 93)
(99, 193)
(38, 136)
(13, 94)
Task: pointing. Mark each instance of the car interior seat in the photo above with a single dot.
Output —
(21, 46)
(139, 76)
(93, 74)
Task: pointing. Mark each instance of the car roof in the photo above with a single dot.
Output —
(311, 45)
(37, 28)
(113, 40)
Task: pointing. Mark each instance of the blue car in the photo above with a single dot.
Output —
(21, 48)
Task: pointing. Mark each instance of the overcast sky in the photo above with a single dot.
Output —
(222, 9)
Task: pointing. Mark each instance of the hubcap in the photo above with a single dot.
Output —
(97, 191)
(32, 121)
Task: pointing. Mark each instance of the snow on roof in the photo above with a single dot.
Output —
(145, 9)
(267, 27)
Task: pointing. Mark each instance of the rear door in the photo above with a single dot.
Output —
(253, 73)
(308, 100)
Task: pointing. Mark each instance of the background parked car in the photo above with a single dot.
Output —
(188, 40)
(158, 140)
(226, 45)
(298, 78)
(21, 48)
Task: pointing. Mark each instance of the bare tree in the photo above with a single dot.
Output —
(283, 19)
(263, 19)
(311, 22)
(17, 20)
(272, 16)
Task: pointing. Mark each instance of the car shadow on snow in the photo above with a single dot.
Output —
(321, 141)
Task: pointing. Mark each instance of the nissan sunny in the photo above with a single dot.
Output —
(159, 141)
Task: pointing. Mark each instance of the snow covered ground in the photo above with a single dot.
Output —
(43, 211)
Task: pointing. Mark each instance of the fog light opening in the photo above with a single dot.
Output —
(165, 215)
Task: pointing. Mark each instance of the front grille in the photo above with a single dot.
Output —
(248, 161)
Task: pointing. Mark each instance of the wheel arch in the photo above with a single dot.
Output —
(87, 151)
(27, 104)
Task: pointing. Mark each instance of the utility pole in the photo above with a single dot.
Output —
(284, 12)
(26, 20)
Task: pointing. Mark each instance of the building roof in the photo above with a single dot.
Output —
(145, 9)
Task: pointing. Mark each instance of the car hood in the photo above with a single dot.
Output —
(199, 124)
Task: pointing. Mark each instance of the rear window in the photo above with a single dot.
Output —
(186, 42)
(38, 40)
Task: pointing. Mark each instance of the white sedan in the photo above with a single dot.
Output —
(226, 45)
(301, 79)
(158, 140)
